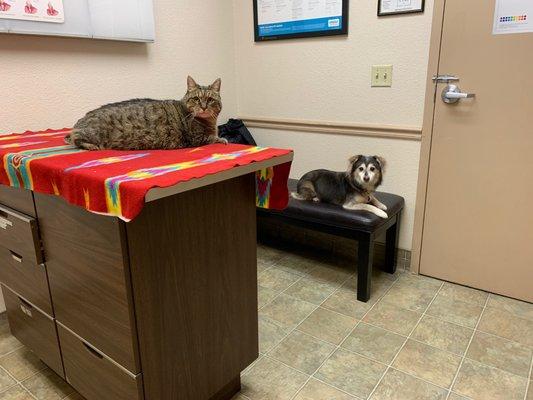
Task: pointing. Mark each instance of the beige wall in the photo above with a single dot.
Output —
(316, 150)
(329, 79)
(51, 82)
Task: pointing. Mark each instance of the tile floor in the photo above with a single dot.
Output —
(418, 338)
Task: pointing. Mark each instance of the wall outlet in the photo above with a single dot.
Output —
(381, 76)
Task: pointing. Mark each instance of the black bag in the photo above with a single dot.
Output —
(236, 132)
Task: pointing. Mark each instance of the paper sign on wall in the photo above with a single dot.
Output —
(33, 10)
(391, 7)
(513, 16)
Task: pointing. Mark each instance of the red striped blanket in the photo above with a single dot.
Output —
(115, 182)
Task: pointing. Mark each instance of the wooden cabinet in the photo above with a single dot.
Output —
(34, 328)
(21, 200)
(87, 263)
(18, 233)
(26, 278)
(94, 375)
(160, 308)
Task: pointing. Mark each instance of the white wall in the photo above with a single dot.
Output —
(329, 79)
(51, 82)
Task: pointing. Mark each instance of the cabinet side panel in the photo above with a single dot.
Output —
(194, 272)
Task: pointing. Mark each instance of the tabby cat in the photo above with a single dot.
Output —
(142, 124)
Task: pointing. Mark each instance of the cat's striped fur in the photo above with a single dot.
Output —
(141, 124)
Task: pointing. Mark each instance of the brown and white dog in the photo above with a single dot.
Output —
(353, 189)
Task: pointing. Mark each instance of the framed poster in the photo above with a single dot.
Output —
(288, 19)
(395, 7)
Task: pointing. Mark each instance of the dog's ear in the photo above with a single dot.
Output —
(381, 161)
(353, 160)
(351, 163)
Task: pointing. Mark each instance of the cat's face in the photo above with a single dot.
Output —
(203, 101)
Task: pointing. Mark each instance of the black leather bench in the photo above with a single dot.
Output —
(362, 226)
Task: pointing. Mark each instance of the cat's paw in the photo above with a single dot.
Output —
(382, 207)
(222, 140)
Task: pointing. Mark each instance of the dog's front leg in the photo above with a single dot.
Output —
(365, 207)
(374, 201)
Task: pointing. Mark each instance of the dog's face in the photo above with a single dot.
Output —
(366, 171)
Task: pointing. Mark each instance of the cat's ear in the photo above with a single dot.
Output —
(191, 84)
(216, 85)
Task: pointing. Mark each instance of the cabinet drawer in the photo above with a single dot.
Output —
(94, 375)
(17, 199)
(33, 328)
(26, 278)
(89, 277)
(19, 233)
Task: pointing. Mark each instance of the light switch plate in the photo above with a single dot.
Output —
(381, 75)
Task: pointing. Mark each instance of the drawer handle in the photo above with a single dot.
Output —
(16, 257)
(4, 222)
(93, 351)
(26, 307)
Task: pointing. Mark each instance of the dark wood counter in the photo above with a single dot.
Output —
(161, 308)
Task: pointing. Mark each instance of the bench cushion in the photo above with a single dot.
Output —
(333, 215)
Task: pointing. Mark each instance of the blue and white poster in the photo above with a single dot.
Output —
(278, 18)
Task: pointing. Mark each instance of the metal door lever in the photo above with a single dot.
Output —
(452, 94)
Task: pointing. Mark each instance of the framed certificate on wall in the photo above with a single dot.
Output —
(394, 7)
(288, 19)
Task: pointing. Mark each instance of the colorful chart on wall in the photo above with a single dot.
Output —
(286, 19)
(33, 10)
(513, 16)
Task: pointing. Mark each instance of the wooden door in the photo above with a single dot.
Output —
(478, 222)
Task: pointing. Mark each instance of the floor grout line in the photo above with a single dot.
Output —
(405, 342)
(360, 320)
(409, 337)
(313, 375)
(19, 383)
(429, 315)
(308, 379)
(468, 347)
(528, 384)
(301, 322)
(306, 274)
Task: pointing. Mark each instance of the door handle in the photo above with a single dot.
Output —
(452, 94)
(4, 222)
(16, 257)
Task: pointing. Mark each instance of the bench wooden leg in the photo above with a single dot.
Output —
(364, 269)
(391, 244)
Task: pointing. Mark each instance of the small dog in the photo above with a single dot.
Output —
(353, 189)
